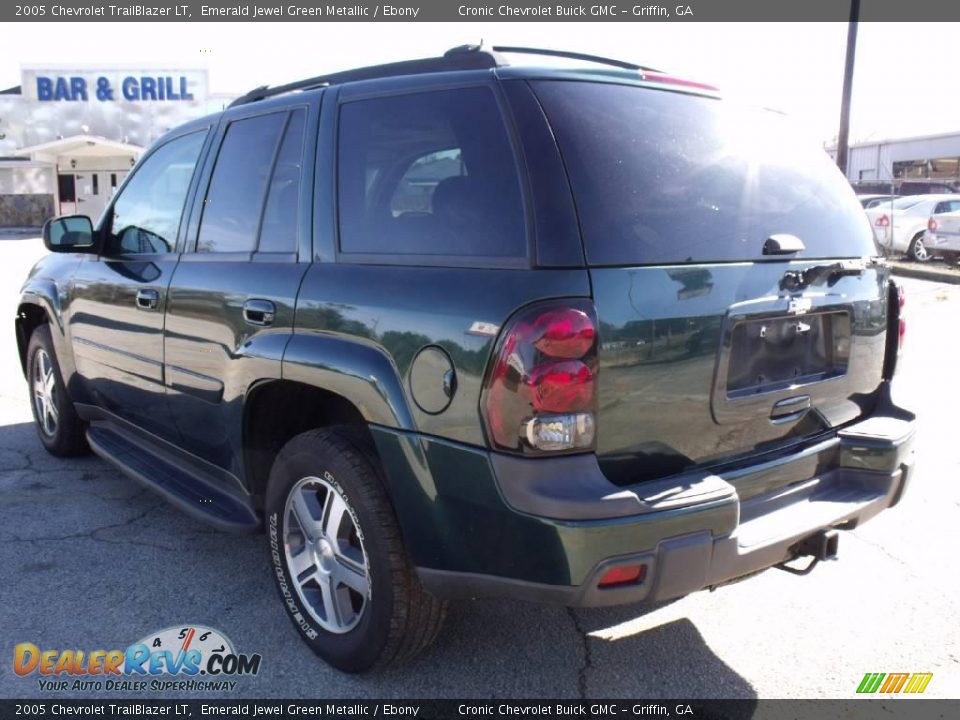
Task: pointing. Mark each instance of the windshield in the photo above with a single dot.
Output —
(665, 177)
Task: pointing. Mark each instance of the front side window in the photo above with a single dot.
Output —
(231, 211)
(429, 174)
(146, 216)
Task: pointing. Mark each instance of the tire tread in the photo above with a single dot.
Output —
(417, 615)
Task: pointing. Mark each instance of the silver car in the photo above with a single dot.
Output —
(943, 235)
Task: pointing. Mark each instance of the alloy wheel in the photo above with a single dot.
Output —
(325, 554)
(45, 399)
(920, 250)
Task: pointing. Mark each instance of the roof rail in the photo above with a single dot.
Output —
(463, 57)
(447, 63)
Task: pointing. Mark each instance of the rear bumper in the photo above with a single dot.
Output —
(690, 533)
(942, 242)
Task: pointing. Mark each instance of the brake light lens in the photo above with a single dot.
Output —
(902, 329)
(882, 221)
(896, 299)
(565, 333)
(540, 392)
(560, 386)
(651, 76)
(932, 225)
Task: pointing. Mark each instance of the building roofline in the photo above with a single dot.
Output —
(890, 141)
(79, 140)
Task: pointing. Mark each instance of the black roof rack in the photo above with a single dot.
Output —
(463, 57)
(447, 63)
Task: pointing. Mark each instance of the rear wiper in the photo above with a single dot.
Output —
(799, 279)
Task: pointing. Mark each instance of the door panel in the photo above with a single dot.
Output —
(118, 300)
(118, 345)
(213, 353)
(231, 302)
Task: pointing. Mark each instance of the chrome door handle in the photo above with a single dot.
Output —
(148, 299)
(259, 312)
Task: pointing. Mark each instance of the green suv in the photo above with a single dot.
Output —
(452, 328)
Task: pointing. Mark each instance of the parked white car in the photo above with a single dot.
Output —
(943, 236)
(899, 226)
(869, 201)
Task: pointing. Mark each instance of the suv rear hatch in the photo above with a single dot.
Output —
(739, 311)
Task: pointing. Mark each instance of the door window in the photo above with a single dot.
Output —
(235, 197)
(146, 216)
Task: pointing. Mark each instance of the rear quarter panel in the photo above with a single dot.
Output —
(396, 311)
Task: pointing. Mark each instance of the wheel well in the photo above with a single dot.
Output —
(277, 411)
(29, 318)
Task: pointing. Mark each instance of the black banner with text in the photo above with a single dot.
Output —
(451, 10)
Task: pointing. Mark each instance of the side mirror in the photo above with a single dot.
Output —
(70, 234)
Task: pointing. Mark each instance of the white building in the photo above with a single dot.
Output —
(928, 157)
(69, 135)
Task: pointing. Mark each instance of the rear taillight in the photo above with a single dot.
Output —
(540, 393)
(932, 225)
(896, 301)
(882, 221)
(902, 328)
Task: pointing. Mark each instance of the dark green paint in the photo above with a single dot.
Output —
(181, 373)
(664, 332)
(454, 518)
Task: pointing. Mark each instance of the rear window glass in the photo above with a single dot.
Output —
(429, 174)
(904, 203)
(664, 177)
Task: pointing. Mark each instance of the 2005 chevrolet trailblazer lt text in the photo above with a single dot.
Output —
(451, 328)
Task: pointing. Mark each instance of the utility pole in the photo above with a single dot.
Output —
(843, 138)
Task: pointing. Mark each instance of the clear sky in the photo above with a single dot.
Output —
(903, 82)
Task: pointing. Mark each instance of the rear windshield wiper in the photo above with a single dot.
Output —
(799, 279)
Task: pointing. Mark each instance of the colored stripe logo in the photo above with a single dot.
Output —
(913, 683)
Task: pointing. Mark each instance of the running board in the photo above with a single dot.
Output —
(187, 491)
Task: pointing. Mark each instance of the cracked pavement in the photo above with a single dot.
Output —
(90, 560)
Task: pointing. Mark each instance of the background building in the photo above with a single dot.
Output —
(68, 136)
(929, 157)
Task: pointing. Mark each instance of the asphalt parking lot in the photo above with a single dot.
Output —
(90, 560)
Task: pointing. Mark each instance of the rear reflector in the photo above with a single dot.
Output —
(623, 575)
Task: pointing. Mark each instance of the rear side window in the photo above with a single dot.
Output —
(664, 177)
(429, 174)
(278, 232)
(947, 206)
(231, 212)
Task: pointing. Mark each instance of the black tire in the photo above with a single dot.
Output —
(66, 435)
(917, 250)
(399, 618)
